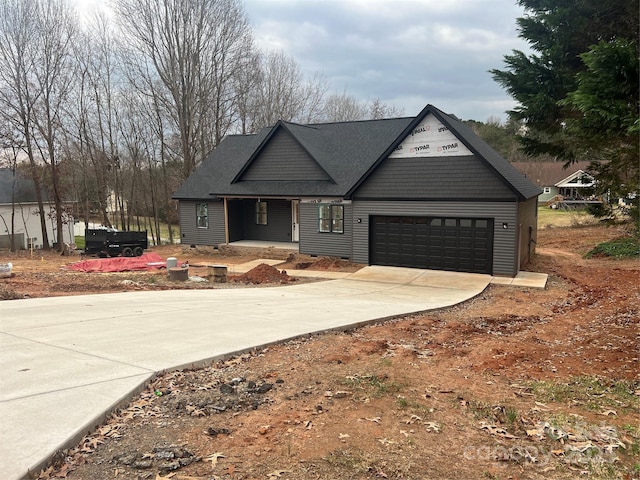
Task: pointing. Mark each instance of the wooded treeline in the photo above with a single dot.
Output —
(113, 112)
(578, 91)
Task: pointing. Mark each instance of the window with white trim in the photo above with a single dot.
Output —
(547, 189)
(261, 213)
(331, 218)
(202, 215)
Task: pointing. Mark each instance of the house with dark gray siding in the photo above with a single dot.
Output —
(421, 192)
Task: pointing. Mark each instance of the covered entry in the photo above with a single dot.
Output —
(438, 243)
(266, 219)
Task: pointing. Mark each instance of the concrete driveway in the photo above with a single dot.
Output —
(66, 362)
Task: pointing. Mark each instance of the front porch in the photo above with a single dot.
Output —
(266, 220)
(294, 247)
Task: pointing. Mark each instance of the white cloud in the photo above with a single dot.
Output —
(405, 52)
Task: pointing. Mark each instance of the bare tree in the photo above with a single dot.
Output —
(35, 76)
(283, 94)
(9, 149)
(246, 84)
(96, 129)
(54, 74)
(18, 31)
(346, 108)
(378, 110)
(192, 46)
(343, 108)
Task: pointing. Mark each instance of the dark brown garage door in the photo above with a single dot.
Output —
(438, 243)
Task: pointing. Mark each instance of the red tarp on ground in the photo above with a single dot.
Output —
(148, 261)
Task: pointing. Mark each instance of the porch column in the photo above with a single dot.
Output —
(226, 222)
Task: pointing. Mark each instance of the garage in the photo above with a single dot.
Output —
(438, 243)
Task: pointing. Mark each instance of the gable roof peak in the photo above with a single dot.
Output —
(302, 125)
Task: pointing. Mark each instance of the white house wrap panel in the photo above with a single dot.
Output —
(430, 139)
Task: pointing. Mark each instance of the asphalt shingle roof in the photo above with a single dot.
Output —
(547, 174)
(17, 188)
(347, 151)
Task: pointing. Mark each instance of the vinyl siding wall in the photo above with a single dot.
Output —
(28, 225)
(313, 242)
(190, 234)
(278, 227)
(527, 217)
(544, 197)
(504, 240)
(284, 159)
(434, 178)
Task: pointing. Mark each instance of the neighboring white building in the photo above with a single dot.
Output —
(559, 184)
(18, 200)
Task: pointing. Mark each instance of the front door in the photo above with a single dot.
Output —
(295, 220)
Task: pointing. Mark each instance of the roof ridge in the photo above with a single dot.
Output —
(284, 122)
(360, 121)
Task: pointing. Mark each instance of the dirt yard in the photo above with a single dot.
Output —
(515, 384)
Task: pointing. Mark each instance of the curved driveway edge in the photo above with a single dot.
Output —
(67, 361)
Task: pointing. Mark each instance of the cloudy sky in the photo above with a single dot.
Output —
(408, 53)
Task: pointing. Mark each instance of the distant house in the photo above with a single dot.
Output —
(18, 200)
(571, 185)
(423, 192)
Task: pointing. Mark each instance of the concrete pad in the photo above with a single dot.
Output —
(456, 280)
(266, 244)
(530, 279)
(377, 273)
(74, 310)
(65, 361)
(32, 367)
(421, 298)
(422, 278)
(523, 279)
(36, 426)
(324, 274)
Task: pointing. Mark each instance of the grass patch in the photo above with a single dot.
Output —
(504, 414)
(378, 385)
(385, 362)
(355, 462)
(595, 393)
(79, 241)
(623, 247)
(412, 406)
(551, 218)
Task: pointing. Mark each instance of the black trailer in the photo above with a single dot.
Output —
(110, 242)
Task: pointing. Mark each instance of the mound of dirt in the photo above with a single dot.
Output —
(263, 273)
(325, 263)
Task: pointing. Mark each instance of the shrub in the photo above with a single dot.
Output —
(622, 247)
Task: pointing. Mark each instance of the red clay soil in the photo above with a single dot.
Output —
(517, 383)
(326, 264)
(263, 273)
